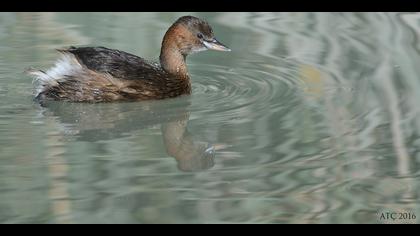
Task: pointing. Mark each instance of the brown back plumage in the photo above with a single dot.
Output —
(105, 75)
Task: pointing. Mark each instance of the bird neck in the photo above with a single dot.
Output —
(172, 59)
(173, 62)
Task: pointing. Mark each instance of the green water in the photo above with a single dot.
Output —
(312, 118)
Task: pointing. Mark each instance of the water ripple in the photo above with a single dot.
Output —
(315, 115)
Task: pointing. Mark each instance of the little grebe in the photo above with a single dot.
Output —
(98, 74)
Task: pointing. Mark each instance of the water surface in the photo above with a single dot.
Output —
(312, 118)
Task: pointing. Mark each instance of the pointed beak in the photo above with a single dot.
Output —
(216, 45)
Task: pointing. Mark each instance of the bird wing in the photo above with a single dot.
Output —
(117, 63)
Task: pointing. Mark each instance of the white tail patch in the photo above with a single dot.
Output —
(67, 65)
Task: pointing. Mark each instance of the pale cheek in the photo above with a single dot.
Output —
(198, 49)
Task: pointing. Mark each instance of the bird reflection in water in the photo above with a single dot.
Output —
(96, 122)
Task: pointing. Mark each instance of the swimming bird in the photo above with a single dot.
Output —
(100, 74)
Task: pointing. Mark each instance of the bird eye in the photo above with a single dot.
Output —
(200, 35)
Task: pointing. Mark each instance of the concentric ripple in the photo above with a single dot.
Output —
(226, 93)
